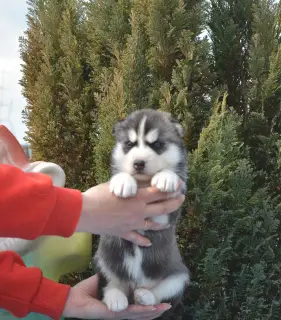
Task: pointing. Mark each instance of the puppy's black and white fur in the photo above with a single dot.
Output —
(149, 151)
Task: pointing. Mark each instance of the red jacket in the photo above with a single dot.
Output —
(30, 206)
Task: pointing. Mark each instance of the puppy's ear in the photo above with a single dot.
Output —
(117, 126)
(176, 123)
(178, 126)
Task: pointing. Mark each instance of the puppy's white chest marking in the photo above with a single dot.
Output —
(133, 264)
(164, 219)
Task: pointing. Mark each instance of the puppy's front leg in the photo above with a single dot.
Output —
(123, 185)
(166, 290)
(166, 181)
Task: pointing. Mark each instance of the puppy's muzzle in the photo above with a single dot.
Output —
(139, 165)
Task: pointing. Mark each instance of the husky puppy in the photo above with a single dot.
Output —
(149, 151)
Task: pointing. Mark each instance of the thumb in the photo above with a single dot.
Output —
(90, 285)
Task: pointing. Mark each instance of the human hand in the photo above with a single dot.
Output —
(82, 304)
(105, 213)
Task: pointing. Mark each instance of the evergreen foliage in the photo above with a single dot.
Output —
(59, 95)
(237, 258)
(216, 66)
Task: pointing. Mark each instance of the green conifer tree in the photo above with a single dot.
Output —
(58, 114)
(230, 24)
(262, 130)
(31, 46)
(108, 29)
(180, 63)
(236, 262)
(160, 62)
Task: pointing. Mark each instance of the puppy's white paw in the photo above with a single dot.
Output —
(144, 297)
(166, 181)
(115, 300)
(123, 185)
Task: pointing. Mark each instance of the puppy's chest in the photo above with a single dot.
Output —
(133, 264)
(161, 219)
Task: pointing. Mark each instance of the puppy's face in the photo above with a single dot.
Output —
(147, 142)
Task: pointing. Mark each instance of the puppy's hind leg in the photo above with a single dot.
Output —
(115, 296)
(167, 290)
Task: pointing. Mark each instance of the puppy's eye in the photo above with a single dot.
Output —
(129, 144)
(157, 144)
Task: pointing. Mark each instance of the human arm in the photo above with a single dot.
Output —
(24, 290)
(31, 201)
(31, 207)
(40, 208)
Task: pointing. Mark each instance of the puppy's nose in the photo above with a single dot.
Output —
(139, 165)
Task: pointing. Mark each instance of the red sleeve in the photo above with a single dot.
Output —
(30, 207)
(24, 290)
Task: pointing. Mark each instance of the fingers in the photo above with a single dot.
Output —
(139, 312)
(152, 194)
(157, 312)
(164, 207)
(137, 239)
(140, 240)
(151, 225)
(133, 312)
